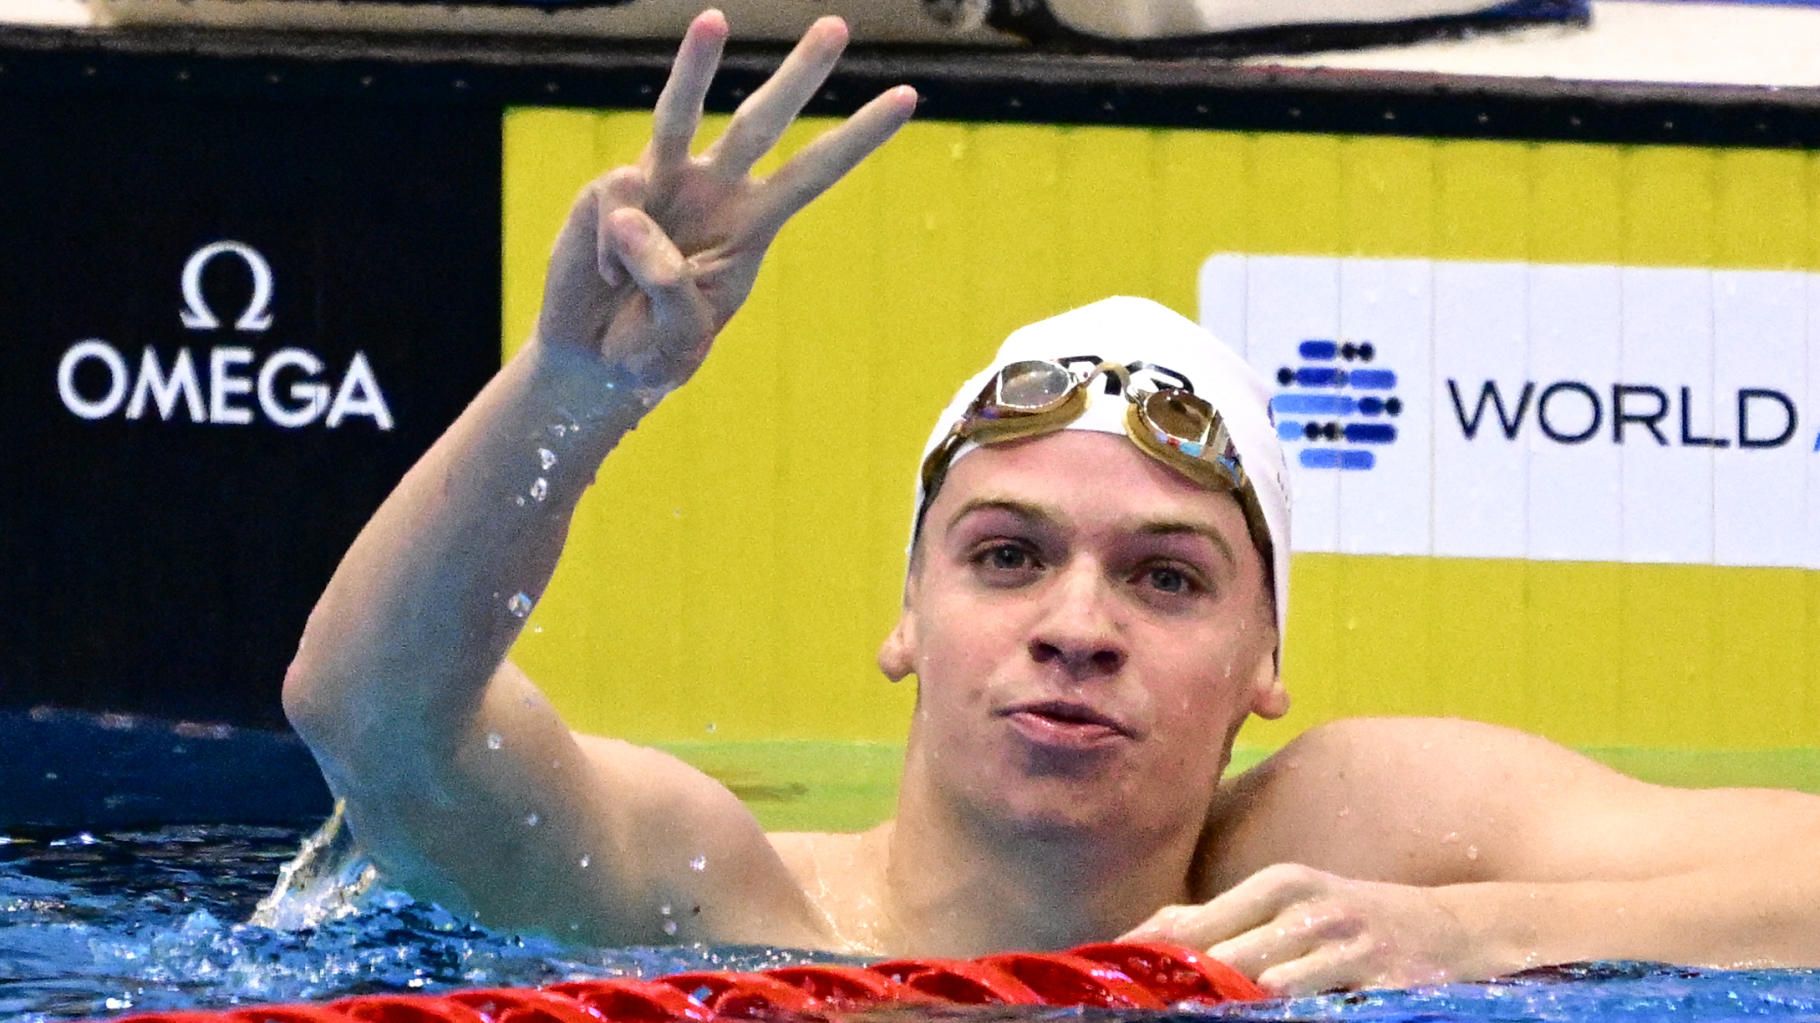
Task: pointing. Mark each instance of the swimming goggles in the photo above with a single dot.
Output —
(1166, 420)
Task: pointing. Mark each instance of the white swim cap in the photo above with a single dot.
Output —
(1128, 330)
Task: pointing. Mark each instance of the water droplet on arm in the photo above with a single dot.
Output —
(519, 604)
(585, 861)
(494, 741)
(698, 864)
(532, 820)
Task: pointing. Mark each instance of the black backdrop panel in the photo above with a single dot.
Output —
(177, 491)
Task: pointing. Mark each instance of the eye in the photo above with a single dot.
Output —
(1005, 558)
(1170, 580)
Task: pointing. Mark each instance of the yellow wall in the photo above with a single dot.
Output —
(739, 561)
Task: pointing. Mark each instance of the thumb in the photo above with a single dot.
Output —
(681, 316)
(653, 260)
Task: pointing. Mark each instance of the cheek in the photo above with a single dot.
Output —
(1198, 707)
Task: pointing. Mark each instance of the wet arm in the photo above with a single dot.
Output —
(1626, 870)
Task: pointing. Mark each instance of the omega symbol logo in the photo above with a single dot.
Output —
(227, 383)
(196, 312)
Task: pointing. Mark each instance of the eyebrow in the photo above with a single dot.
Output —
(1042, 516)
(1021, 509)
(1184, 528)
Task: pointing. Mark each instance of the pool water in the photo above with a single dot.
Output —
(96, 924)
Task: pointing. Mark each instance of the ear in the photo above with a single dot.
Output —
(897, 654)
(1269, 698)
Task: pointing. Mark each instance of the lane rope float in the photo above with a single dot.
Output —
(1105, 975)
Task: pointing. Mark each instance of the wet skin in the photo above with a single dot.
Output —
(1083, 621)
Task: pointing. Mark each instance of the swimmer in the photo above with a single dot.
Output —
(1084, 656)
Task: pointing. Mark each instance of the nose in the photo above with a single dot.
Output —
(1079, 628)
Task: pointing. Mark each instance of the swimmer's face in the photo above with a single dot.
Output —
(1089, 629)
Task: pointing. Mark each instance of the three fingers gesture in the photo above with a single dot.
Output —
(656, 257)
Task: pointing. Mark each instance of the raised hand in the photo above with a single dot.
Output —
(656, 257)
(1297, 930)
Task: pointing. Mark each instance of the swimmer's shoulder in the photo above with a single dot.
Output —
(814, 858)
(820, 859)
(1367, 798)
(843, 875)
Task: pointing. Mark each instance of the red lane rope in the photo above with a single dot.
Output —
(1111, 975)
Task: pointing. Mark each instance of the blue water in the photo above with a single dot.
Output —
(96, 924)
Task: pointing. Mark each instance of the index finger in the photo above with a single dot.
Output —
(1248, 905)
(760, 121)
(677, 115)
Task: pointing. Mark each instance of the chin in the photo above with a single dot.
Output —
(1049, 809)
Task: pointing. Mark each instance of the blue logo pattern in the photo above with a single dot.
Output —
(1339, 410)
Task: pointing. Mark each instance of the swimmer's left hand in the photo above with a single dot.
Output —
(1297, 930)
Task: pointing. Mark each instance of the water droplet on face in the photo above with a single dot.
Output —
(546, 458)
(494, 741)
(698, 864)
(519, 605)
(1345, 811)
(532, 820)
(540, 489)
(669, 927)
(585, 860)
(1450, 838)
(665, 909)
(1472, 852)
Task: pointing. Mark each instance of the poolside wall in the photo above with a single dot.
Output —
(1603, 583)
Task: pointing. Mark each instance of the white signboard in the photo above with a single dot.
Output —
(1515, 410)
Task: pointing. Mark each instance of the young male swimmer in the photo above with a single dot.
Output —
(1094, 605)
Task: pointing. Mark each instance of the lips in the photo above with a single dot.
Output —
(1065, 724)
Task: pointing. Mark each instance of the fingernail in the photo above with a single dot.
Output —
(631, 229)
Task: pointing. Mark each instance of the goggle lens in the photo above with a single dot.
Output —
(1180, 415)
(1033, 386)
